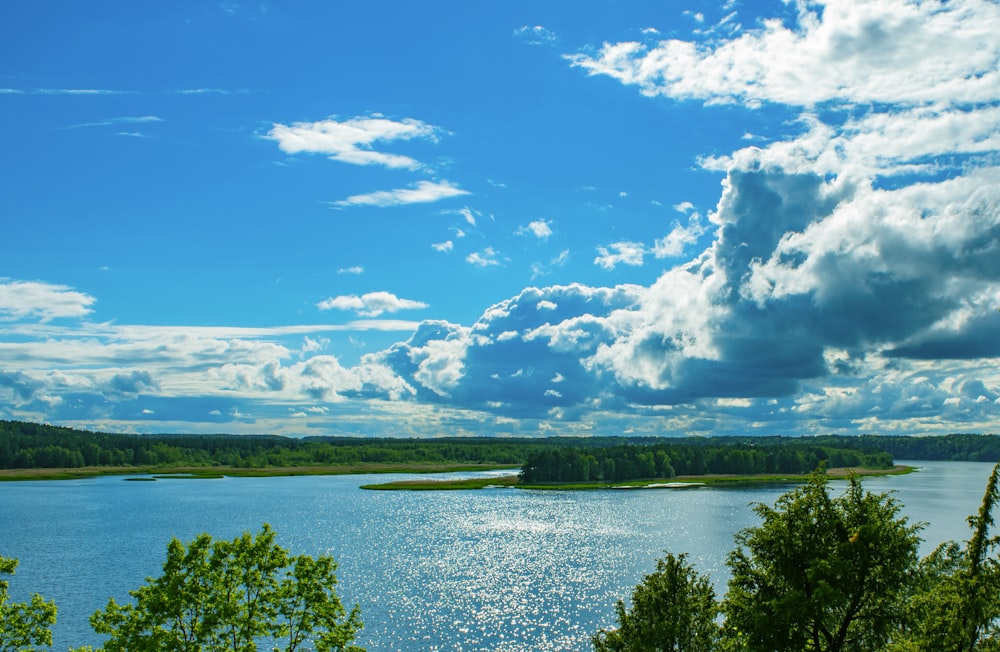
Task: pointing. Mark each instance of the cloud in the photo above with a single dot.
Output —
(323, 378)
(846, 280)
(620, 253)
(352, 140)
(469, 215)
(210, 91)
(675, 242)
(821, 303)
(445, 246)
(508, 359)
(21, 386)
(422, 192)
(840, 50)
(535, 35)
(371, 304)
(541, 269)
(113, 375)
(541, 229)
(485, 258)
(356, 269)
(134, 382)
(67, 91)
(43, 301)
(142, 119)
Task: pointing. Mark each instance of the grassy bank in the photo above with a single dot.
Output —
(662, 483)
(222, 471)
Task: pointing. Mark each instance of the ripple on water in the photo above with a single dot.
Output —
(499, 571)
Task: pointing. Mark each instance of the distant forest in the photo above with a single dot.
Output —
(26, 445)
(667, 459)
(35, 446)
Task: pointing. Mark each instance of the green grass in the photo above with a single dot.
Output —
(224, 471)
(696, 480)
(438, 485)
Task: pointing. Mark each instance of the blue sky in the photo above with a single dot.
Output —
(516, 218)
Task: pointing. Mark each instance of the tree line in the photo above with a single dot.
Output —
(28, 445)
(956, 447)
(25, 445)
(622, 463)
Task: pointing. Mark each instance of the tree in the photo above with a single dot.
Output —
(23, 625)
(954, 606)
(232, 595)
(673, 609)
(820, 572)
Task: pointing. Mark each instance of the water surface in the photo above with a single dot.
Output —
(501, 570)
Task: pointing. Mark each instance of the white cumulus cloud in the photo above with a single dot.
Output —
(620, 253)
(43, 301)
(353, 140)
(850, 51)
(371, 304)
(541, 229)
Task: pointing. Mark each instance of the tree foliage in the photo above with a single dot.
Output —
(665, 459)
(233, 595)
(673, 610)
(23, 625)
(821, 572)
(31, 445)
(955, 605)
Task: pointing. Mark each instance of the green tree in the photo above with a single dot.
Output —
(673, 609)
(232, 595)
(955, 605)
(23, 625)
(820, 572)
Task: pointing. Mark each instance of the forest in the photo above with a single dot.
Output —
(31, 446)
(668, 459)
(25, 445)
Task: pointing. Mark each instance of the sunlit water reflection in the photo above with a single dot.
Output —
(501, 570)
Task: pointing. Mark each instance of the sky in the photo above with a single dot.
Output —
(421, 219)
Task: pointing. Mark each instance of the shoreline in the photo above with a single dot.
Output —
(217, 472)
(210, 472)
(678, 482)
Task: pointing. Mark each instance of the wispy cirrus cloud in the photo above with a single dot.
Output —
(420, 193)
(356, 269)
(123, 120)
(62, 91)
(371, 304)
(353, 140)
(212, 91)
(535, 35)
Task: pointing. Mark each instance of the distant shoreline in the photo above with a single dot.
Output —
(208, 472)
(678, 482)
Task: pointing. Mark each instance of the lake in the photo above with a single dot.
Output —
(498, 569)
